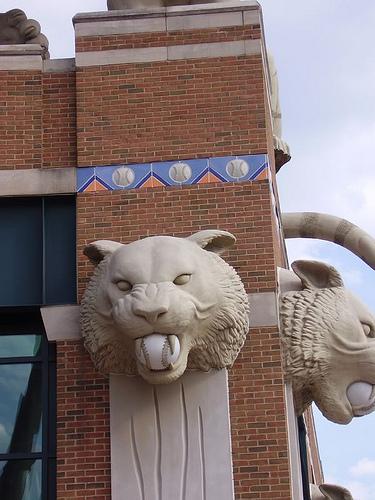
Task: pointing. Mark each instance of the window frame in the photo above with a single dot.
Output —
(18, 321)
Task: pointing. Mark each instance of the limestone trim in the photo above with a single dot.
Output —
(59, 65)
(206, 50)
(123, 56)
(176, 52)
(120, 27)
(263, 309)
(161, 19)
(174, 431)
(37, 181)
(21, 57)
(203, 20)
(61, 322)
(180, 10)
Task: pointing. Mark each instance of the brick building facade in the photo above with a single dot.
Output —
(161, 124)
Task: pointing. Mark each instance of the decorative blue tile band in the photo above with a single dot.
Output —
(172, 173)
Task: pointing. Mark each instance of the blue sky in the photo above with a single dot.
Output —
(326, 63)
(324, 51)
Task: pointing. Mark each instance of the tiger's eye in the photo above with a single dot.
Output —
(124, 286)
(182, 279)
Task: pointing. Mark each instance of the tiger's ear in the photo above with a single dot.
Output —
(314, 274)
(213, 240)
(97, 250)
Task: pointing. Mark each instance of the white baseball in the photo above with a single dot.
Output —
(123, 176)
(180, 172)
(359, 393)
(154, 351)
(237, 168)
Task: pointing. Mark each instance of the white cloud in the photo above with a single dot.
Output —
(304, 249)
(364, 467)
(360, 491)
(353, 278)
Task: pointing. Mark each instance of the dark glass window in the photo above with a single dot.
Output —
(37, 251)
(27, 408)
(38, 258)
(21, 479)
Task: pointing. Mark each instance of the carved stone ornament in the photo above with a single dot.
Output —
(159, 305)
(144, 4)
(281, 148)
(16, 28)
(329, 492)
(329, 345)
(328, 334)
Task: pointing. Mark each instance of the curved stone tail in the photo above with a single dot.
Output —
(330, 228)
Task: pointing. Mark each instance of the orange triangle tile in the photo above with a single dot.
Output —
(149, 183)
(99, 186)
(263, 175)
(213, 178)
(156, 182)
(205, 179)
(91, 188)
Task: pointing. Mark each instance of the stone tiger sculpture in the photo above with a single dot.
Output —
(16, 28)
(161, 304)
(328, 334)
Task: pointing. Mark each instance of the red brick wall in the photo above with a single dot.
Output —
(170, 110)
(83, 441)
(37, 122)
(59, 120)
(258, 421)
(20, 119)
(241, 208)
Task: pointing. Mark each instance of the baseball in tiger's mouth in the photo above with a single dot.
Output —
(158, 352)
(361, 396)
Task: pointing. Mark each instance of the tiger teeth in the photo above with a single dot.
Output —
(172, 342)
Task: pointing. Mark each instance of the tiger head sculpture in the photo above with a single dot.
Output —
(329, 339)
(159, 305)
(328, 334)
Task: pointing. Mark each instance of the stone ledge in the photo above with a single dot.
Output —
(37, 181)
(21, 50)
(59, 65)
(62, 322)
(21, 57)
(180, 10)
(184, 17)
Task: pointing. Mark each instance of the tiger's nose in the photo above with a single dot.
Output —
(150, 313)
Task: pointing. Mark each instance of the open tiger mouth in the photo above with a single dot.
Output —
(158, 352)
(361, 396)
